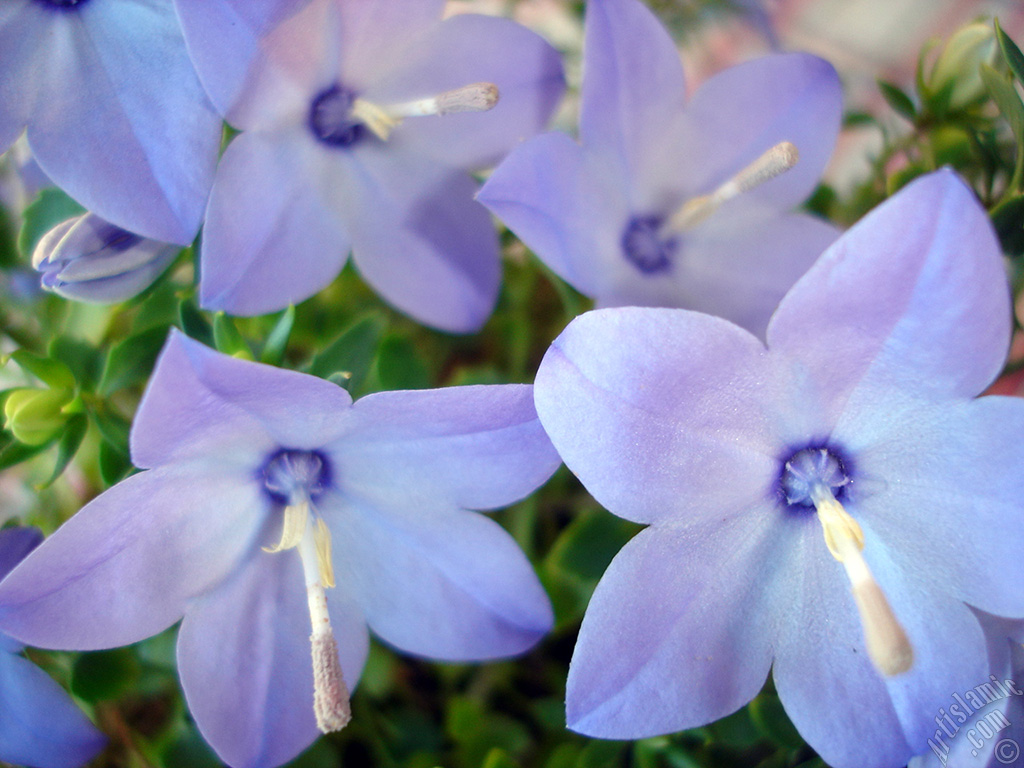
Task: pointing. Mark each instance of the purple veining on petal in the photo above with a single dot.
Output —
(646, 247)
(811, 465)
(290, 475)
(330, 120)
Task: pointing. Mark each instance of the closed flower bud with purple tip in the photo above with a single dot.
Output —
(88, 259)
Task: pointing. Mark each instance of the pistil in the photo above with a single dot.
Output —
(772, 163)
(888, 647)
(382, 119)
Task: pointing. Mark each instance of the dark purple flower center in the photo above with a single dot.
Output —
(291, 476)
(62, 5)
(814, 465)
(645, 247)
(119, 240)
(330, 118)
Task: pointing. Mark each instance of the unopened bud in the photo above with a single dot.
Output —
(89, 259)
(955, 81)
(34, 416)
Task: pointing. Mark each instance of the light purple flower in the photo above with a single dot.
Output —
(643, 211)
(858, 420)
(115, 113)
(316, 86)
(88, 259)
(39, 726)
(243, 460)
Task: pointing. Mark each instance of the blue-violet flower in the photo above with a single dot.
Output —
(674, 204)
(244, 460)
(853, 436)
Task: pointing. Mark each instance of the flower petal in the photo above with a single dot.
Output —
(952, 470)
(740, 113)
(125, 566)
(821, 662)
(206, 406)
(572, 217)
(450, 585)
(140, 157)
(15, 544)
(913, 295)
(260, 59)
(23, 31)
(633, 86)
(466, 49)
(421, 241)
(655, 408)
(244, 659)
(40, 726)
(677, 633)
(272, 236)
(476, 447)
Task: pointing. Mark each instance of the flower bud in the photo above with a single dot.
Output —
(955, 80)
(88, 259)
(34, 416)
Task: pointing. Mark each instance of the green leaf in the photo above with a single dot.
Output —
(352, 351)
(131, 361)
(1011, 53)
(84, 360)
(114, 429)
(1005, 96)
(586, 547)
(194, 324)
(49, 209)
(67, 446)
(399, 365)
(898, 100)
(498, 758)
(277, 339)
(114, 464)
(227, 339)
(103, 675)
(53, 373)
(771, 720)
(15, 453)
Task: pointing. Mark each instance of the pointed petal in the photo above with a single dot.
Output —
(23, 30)
(125, 566)
(272, 236)
(740, 113)
(652, 408)
(206, 406)
(666, 644)
(140, 157)
(476, 447)
(633, 86)
(40, 726)
(261, 60)
(450, 585)
(422, 242)
(821, 662)
(570, 216)
(739, 268)
(15, 544)
(958, 492)
(914, 293)
(468, 49)
(244, 659)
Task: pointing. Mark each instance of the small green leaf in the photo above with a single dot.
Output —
(49, 209)
(114, 464)
(1008, 220)
(67, 446)
(1006, 98)
(586, 547)
(399, 365)
(227, 339)
(352, 352)
(1011, 53)
(83, 359)
(103, 675)
(194, 324)
(277, 339)
(15, 453)
(114, 429)
(131, 361)
(898, 100)
(53, 373)
(771, 720)
(498, 758)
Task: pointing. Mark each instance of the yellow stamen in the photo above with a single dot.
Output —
(887, 644)
(374, 117)
(295, 516)
(322, 539)
(772, 163)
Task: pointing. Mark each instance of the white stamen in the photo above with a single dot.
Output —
(381, 120)
(888, 647)
(330, 694)
(772, 163)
